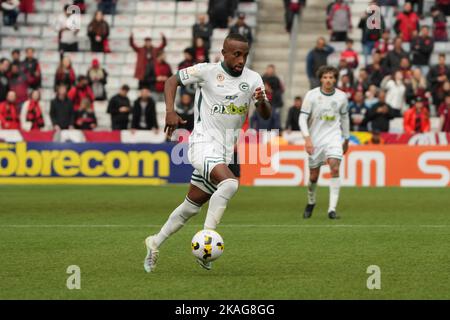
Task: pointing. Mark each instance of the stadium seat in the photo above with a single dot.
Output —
(127, 70)
(113, 70)
(248, 7)
(143, 20)
(167, 7)
(146, 6)
(49, 56)
(164, 20)
(186, 7)
(76, 57)
(182, 33)
(119, 33)
(141, 33)
(115, 58)
(89, 56)
(185, 20)
(121, 20)
(11, 42)
(44, 5)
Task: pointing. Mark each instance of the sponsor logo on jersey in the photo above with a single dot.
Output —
(184, 74)
(230, 109)
(244, 86)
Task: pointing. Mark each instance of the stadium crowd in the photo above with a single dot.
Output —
(390, 82)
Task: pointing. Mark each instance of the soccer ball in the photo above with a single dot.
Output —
(207, 245)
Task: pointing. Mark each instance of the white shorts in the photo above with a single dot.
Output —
(204, 157)
(324, 152)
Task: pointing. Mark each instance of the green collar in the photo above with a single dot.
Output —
(327, 94)
(230, 72)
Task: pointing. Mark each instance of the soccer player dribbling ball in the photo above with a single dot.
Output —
(324, 120)
(225, 91)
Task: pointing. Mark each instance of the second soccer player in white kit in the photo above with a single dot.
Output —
(324, 121)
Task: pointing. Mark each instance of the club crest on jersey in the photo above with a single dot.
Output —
(244, 87)
(220, 77)
(230, 109)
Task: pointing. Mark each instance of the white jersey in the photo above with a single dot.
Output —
(221, 103)
(324, 115)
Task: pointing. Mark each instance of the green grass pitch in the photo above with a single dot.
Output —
(270, 251)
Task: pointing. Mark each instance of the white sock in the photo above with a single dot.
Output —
(218, 202)
(176, 220)
(312, 192)
(335, 185)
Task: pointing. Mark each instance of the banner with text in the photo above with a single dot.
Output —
(382, 165)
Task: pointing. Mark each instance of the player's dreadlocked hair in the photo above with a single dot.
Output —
(236, 37)
(327, 69)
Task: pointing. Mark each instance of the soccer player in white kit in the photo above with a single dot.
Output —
(225, 91)
(324, 121)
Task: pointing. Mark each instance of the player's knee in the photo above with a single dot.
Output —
(228, 187)
(189, 209)
(334, 171)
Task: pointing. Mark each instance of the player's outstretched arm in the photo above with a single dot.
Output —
(172, 118)
(262, 104)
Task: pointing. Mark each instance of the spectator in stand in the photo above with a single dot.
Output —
(97, 78)
(291, 8)
(259, 123)
(144, 112)
(67, 38)
(65, 74)
(371, 96)
(80, 91)
(15, 57)
(26, 7)
(439, 74)
(362, 83)
(185, 109)
(417, 6)
(32, 69)
(375, 70)
(395, 93)
(107, 6)
(345, 70)
(162, 72)
(62, 113)
(98, 33)
(276, 85)
(242, 28)
(439, 24)
(85, 117)
(358, 110)
(388, 11)
(384, 45)
(9, 118)
(370, 33)
(31, 115)
(405, 68)
(421, 50)
(292, 123)
(186, 63)
(4, 79)
(119, 108)
(339, 21)
(379, 116)
(202, 29)
(407, 23)
(19, 84)
(144, 56)
(416, 86)
(392, 61)
(350, 55)
(444, 115)
(444, 6)
(316, 58)
(11, 11)
(221, 12)
(201, 52)
(416, 119)
(80, 4)
(346, 85)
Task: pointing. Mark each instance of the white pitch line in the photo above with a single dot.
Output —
(227, 226)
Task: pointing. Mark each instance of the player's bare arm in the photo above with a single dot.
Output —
(172, 118)
(262, 104)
